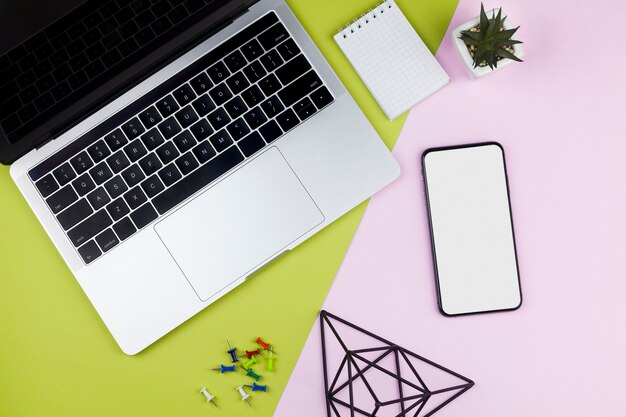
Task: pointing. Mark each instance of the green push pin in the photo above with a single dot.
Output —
(250, 363)
(251, 374)
(270, 360)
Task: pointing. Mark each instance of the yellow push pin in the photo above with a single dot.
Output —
(270, 360)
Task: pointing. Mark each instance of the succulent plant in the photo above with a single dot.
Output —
(489, 42)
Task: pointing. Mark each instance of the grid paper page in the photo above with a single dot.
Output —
(391, 59)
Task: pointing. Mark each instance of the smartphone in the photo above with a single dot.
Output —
(471, 229)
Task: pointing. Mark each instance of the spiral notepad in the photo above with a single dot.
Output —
(391, 59)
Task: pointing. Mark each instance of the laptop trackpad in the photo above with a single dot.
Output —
(239, 224)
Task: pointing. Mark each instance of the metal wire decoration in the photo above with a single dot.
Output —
(408, 405)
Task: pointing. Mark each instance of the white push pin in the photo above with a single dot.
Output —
(209, 397)
(244, 395)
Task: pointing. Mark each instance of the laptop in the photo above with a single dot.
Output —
(172, 148)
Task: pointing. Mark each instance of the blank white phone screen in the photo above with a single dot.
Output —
(472, 231)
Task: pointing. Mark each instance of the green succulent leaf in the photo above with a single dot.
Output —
(491, 43)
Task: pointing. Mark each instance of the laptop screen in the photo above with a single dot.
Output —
(61, 60)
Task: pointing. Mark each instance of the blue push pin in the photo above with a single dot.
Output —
(223, 368)
(257, 387)
(232, 351)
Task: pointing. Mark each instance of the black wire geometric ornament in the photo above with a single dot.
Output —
(374, 377)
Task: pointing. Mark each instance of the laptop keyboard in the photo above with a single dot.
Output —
(57, 66)
(180, 137)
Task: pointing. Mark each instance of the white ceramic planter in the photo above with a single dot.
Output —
(467, 58)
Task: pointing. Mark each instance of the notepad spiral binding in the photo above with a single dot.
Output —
(365, 18)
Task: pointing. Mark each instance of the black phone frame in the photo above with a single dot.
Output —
(432, 236)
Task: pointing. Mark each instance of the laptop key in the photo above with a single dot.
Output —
(167, 105)
(89, 228)
(252, 50)
(100, 173)
(255, 71)
(167, 152)
(218, 72)
(135, 150)
(184, 94)
(169, 127)
(253, 96)
(304, 108)
(133, 175)
(255, 118)
(81, 162)
(143, 216)
(238, 129)
(198, 179)
(186, 163)
(150, 117)
(300, 88)
(269, 85)
(287, 120)
(237, 83)
(184, 141)
(47, 185)
(204, 151)
(115, 140)
(201, 130)
(218, 118)
(150, 164)
(107, 240)
(116, 187)
(133, 128)
(293, 69)
(124, 228)
(98, 151)
(221, 140)
(220, 94)
(203, 105)
(118, 161)
(251, 144)
(201, 83)
(288, 49)
(83, 184)
(98, 198)
(169, 174)
(62, 199)
(235, 107)
(152, 139)
(152, 186)
(235, 61)
(271, 61)
(64, 174)
(135, 197)
(186, 116)
(270, 131)
(74, 214)
(272, 106)
(117, 209)
(273, 36)
(89, 252)
(321, 97)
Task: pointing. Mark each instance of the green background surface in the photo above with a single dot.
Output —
(57, 357)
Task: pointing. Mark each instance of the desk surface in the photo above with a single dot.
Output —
(560, 118)
(56, 356)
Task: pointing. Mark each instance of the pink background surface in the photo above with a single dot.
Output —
(561, 119)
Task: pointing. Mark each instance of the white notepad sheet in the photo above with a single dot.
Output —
(391, 59)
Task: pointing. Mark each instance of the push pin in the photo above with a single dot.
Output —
(210, 397)
(251, 353)
(257, 387)
(250, 363)
(232, 352)
(264, 345)
(244, 395)
(251, 374)
(224, 368)
(270, 360)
